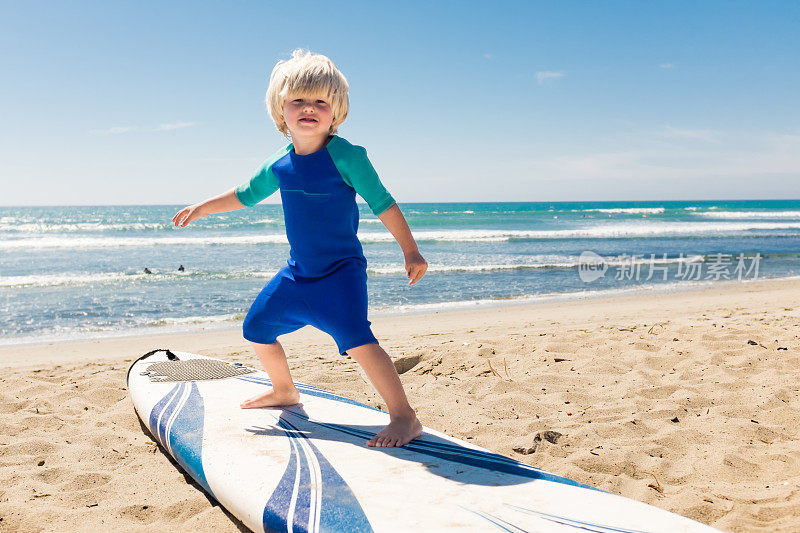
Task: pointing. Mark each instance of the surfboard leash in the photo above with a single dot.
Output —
(171, 356)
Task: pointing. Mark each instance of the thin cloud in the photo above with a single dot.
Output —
(488, 56)
(736, 155)
(116, 130)
(703, 135)
(544, 75)
(169, 126)
(666, 65)
(175, 126)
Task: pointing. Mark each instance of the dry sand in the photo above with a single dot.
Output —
(687, 401)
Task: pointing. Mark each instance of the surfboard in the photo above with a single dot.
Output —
(307, 467)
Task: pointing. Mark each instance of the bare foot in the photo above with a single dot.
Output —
(272, 399)
(399, 432)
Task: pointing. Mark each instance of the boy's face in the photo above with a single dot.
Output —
(308, 116)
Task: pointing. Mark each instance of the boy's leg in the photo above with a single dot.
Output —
(404, 426)
(283, 390)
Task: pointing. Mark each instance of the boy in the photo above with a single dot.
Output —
(324, 281)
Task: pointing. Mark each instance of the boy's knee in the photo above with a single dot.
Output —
(364, 350)
(266, 345)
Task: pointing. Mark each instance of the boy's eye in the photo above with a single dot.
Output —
(303, 101)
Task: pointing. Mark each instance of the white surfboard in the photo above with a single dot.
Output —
(307, 467)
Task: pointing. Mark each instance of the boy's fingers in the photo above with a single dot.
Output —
(187, 218)
(416, 276)
(183, 217)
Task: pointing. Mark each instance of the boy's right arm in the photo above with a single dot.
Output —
(261, 185)
(227, 201)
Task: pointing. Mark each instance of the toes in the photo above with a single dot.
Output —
(387, 441)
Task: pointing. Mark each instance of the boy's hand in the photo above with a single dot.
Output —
(188, 214)
(415, 266)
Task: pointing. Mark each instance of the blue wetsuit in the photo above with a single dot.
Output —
(324, 283)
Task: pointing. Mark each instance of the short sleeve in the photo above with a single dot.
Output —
(263, 183)
(357, 171)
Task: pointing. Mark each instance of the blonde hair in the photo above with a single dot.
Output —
(306, 74)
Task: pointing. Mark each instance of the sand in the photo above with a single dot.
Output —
(687, 401)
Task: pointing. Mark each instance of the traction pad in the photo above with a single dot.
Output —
(194, 370)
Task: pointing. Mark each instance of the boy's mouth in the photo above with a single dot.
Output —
(308, 120)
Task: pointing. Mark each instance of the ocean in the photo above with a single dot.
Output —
(79, 272)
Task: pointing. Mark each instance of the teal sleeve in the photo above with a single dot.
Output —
(356, 170)
(263, 183)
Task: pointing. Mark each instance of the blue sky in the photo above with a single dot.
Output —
(162, 103)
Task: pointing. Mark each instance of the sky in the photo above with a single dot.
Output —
(117, 103)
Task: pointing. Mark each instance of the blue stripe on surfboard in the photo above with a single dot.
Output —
(267, 381)
(186, 437)
(276, 510)
(339, 508)
(298, 474)
(599, 528)
(311, 391)
(167, 402)
(302, 506)
(442, 449)
(505, 526)
(188, 425)
(426, 441)
(577, 524)
(458, 454)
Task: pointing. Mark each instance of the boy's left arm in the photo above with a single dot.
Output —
(396, 223)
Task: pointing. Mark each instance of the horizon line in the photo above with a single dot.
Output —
(462, 202)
